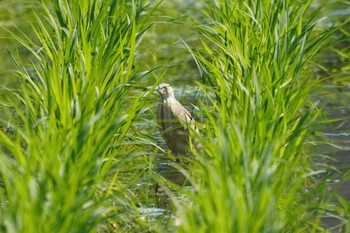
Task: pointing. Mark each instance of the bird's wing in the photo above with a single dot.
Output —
(175, 122)
(187, 121)
(182, 115)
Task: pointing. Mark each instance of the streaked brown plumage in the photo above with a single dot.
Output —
(174, 121)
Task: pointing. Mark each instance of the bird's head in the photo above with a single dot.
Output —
(165, 90)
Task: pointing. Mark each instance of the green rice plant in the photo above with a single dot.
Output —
(341, 212)
(256, 64)
(67, 155)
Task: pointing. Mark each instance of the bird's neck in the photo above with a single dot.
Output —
(169, 99)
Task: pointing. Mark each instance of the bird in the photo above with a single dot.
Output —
(174, 121)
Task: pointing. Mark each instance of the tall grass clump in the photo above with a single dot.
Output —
(66, 161)
(256, 64)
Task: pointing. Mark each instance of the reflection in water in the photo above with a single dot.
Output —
(160, 207)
